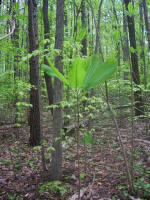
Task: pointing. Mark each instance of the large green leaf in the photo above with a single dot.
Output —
(98, 72)
(77, 72)
(55, 72)
(49, 71)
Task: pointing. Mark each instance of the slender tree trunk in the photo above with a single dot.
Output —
(98, 39)
(142, 43)
(35, 111)
(0, 5)
(15, 41)
(84, 25)
(66, 21)
(47, 36)
(66, 32)
(125, 46)
(56, 164)
(139, 110)
(146, 23)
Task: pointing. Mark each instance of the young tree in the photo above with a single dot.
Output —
(56, 163)
(35, 111)
(134, 61)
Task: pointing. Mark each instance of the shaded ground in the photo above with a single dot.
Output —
(102, 167)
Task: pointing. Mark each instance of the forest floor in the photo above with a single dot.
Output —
(102, 169)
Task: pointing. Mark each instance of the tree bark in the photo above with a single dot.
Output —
(56, 164)
(146, 23)
(47, 36)
(98, 47)
(139, 110)
(15, 41)
(84, 24)
(125, 46)
(142, 43)
(35, 111)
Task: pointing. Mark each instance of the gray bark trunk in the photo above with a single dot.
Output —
(146, 23)
(47, 36)
(142, 43)
(56, 164)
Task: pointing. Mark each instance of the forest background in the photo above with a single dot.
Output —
(75, 73)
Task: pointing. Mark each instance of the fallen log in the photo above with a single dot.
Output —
(6, 127)
(143, 141)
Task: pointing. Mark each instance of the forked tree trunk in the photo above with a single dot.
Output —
(56, 163)
(139, 110)
(35, 111)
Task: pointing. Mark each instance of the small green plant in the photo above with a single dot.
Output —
(54, 186)
(30, 164)
(143, 186)
(10, 197)
(4, 161)
(82, 176)
(124, 190)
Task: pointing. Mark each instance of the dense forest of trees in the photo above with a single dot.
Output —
(74, 99)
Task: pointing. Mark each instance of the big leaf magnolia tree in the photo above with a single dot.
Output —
(85, 73)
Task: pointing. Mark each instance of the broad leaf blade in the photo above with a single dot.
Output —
(49, 71)
(98, 72)
(59, 75)
(77, 72)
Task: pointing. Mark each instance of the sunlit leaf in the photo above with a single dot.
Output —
(77, 72)
(57, 73)
(49, 71)
(88, 139)
(98, 72)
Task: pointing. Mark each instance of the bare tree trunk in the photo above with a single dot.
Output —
(98, 47)
(139, 110)
(146, 23)
(35, 111)
(142, 43)
(125, 46)
(15, 41)
(47, 36)
(84, 24)
(56, 164)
